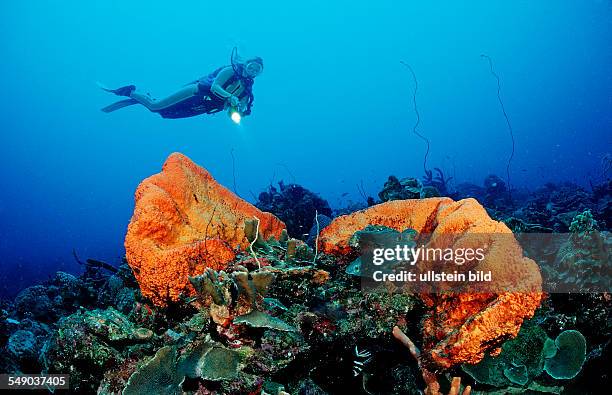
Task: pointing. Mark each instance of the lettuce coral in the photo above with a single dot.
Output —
(184, 222)
(158, 376)
(569, 357)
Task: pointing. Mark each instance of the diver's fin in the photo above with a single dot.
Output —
(102, 86)
(123, 91)
(120, 104)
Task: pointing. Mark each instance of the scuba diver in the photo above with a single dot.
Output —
(228, 87)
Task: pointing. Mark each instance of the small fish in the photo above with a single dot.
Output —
(275, 303)
(361, 359)
(381, 236)
(354, 268)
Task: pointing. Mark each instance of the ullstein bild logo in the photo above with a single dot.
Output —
(477, 263)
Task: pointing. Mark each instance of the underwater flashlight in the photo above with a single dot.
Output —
(235, 115)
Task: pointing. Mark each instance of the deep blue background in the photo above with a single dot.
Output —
(333, 105)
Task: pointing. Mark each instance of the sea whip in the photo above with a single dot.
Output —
(418, 117)
(507, 122)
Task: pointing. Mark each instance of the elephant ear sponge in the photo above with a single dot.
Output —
(184, 222)
(460, 327)
(570, 355)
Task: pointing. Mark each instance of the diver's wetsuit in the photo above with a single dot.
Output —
(206, 95)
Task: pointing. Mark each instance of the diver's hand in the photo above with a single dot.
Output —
(234, 101)
(241, 107)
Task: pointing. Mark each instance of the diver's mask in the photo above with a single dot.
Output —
(253, 68)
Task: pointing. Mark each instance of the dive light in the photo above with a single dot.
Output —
(235, 115)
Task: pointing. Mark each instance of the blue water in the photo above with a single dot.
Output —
(332, 108)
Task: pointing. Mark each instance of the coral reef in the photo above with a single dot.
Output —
(439, 182)
(22, 345)
(295, 205)
(493, 193)
(35, 302)
(264, 313)
(582, 263)
(88, 342)
(406, 188)
(184, 222)
(461, 327)
(412, 188)
(555, 205)
(520, 361)
(551, 207)
(523, 360)
(433, 387)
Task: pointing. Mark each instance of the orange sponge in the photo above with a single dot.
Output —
(183, 222)
(460, 326)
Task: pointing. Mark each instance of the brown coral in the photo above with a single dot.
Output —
(433, 387)
(462, 325)
(184, 222)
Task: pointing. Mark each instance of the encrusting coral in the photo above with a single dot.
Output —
(183, 223)
(461, 327)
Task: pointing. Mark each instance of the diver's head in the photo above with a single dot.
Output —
(252, 67)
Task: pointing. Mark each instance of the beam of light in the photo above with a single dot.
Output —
(236, 117)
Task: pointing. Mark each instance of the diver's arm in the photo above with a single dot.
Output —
(217, 86)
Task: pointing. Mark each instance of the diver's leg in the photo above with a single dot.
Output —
(156, 105)
(123, 91)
